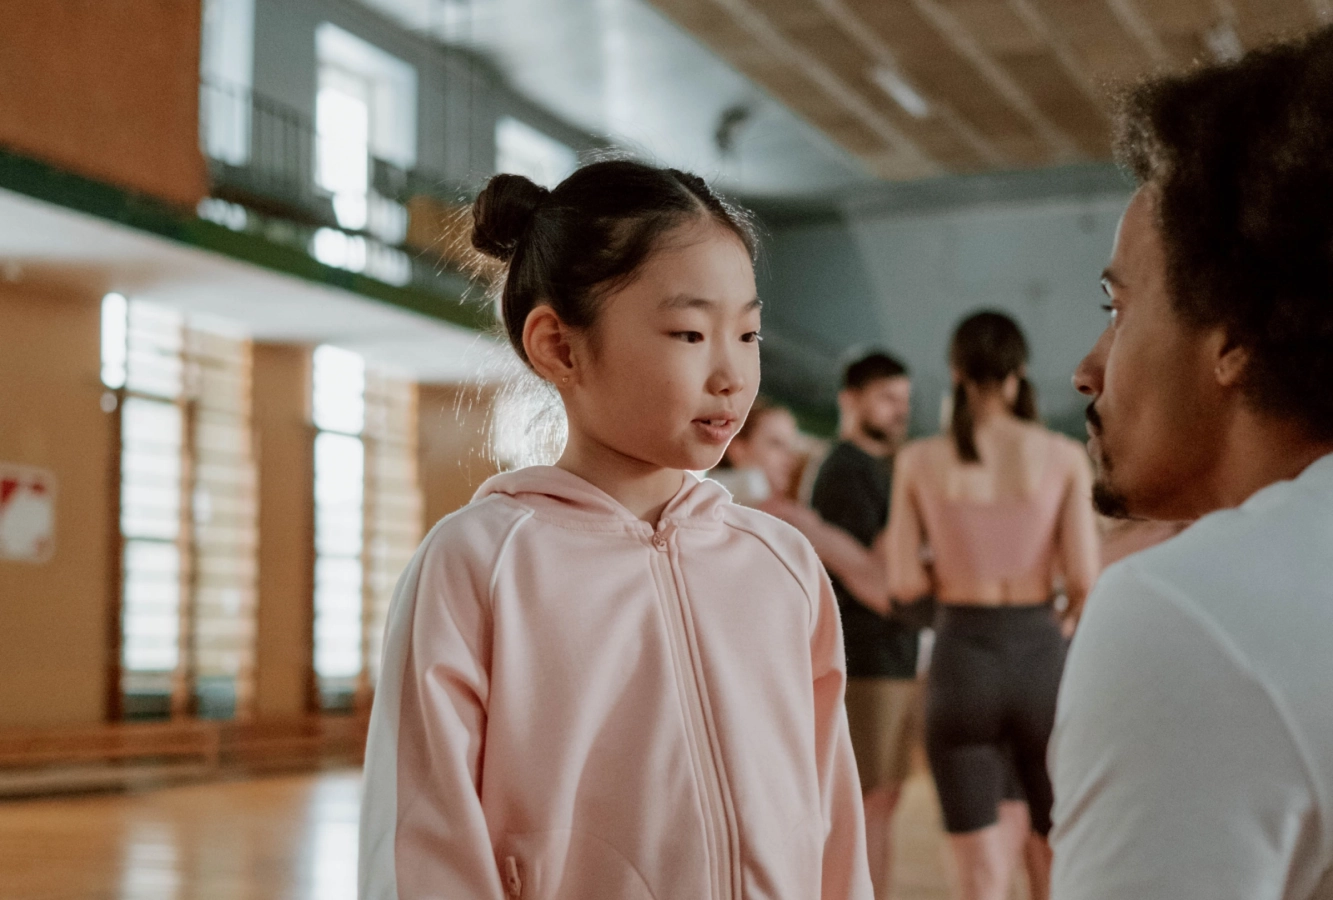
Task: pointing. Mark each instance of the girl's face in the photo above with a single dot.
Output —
(770, 446)
(667, 374)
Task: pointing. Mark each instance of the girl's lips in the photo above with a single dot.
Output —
(715, 431)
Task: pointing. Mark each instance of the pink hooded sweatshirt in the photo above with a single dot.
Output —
(576, 705)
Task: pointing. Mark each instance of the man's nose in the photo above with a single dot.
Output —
(1088, 374)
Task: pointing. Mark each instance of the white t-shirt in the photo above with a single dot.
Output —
(1193, 747)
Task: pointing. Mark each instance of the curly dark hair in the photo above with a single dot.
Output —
(1241, 157)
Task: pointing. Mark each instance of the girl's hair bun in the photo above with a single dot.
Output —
(502, 213)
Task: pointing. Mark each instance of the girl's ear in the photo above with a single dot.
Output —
(547, 341)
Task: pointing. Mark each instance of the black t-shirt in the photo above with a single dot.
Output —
(852, 491)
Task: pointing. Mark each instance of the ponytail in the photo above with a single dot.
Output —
(1025, 404)
(962, 426)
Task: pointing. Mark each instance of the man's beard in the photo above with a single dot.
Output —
(889, 438)
(875, 433)
(1106, 499)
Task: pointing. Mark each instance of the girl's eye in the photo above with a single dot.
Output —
(689, 337)
(752, 337)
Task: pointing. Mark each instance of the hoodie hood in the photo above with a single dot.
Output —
(561, 496)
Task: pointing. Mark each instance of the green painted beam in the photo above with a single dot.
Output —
(42, 181)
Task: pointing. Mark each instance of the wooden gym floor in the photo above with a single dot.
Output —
(275, 838)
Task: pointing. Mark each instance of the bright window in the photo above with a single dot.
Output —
(188, 512)
(226, 67)
(367, 516)
(521, 149)
(365, 107)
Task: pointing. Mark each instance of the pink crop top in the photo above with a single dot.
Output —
(1002, 540)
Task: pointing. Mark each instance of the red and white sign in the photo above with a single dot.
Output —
(27, 513)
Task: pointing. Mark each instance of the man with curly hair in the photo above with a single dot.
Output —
(1193, 750)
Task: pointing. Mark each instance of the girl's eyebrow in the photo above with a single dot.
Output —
(685, 301)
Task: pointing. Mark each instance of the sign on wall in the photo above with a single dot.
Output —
(27, 513)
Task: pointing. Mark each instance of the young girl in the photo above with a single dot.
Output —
(602, 679)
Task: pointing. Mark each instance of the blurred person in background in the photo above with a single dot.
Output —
(850, 503)
(1004, 506)
(761, 468)
(1193, 747)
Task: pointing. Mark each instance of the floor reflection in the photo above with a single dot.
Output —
(287, 838)
(284, 838)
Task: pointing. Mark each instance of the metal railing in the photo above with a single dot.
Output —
(262, 158)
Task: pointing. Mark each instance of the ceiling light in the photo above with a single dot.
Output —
(1223, 42)
(902, 93)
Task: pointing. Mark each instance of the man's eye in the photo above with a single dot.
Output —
(689, 337)
(752, 337)
(1110, 311)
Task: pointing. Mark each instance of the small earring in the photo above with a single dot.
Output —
(564, 380)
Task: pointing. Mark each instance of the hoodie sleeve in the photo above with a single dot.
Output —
(846, 871)
(423, 832)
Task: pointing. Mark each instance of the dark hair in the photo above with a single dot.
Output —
(987, 348)
(1241, 158)
(571, 246)
(871, 367)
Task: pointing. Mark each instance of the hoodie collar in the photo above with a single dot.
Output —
(561, 496)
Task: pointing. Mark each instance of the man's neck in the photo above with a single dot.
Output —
(1258, 450)
(866, 444)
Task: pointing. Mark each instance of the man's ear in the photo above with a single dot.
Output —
(1233, 360)
(546, 339)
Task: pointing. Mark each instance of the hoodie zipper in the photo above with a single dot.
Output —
(702, 740)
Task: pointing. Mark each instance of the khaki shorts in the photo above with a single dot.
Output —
(885, 717)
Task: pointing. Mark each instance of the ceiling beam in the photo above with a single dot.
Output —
(1129, 16)
(763, 31)
(1065, 54)
(861, 33)
(958, 37)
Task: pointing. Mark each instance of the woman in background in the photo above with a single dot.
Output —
(761, 468)
(1004, 506)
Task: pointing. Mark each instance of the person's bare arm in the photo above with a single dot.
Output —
(908, 578)
(1078, 541)
(860, 570)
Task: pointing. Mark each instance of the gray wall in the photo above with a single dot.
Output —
(459, 97)
(901, 268)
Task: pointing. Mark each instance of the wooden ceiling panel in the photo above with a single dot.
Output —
(1098, 38)
(996, 25)
(832, 47)
(1173, 18)
(1007, 83)
(932, 65)
(937, 137)
(1261, 21)
(1041, 75)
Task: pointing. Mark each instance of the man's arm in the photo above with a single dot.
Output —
(860, 570)
(1175, 776)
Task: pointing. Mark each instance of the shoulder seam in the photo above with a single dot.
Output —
(500, 553)
(810, 600)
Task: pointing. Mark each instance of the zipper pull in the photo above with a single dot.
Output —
(660, 538)
(513, 884)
